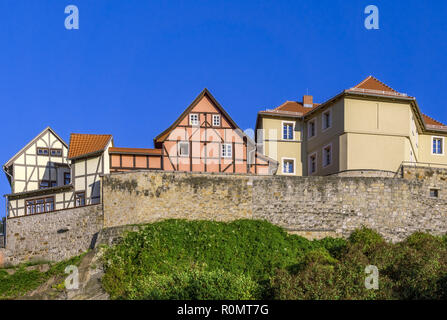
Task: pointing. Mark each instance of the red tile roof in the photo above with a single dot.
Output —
(83, 144)
(134, 151)
(291, 108)
(431, 122)
(371, 83)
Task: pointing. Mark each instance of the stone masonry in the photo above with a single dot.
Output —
(53, 236)
(313, 207)
(309, 206)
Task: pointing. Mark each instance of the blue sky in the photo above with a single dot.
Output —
(134, 65)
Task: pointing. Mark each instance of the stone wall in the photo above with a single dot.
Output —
(143, 197)
(52, 236)
(310, 206)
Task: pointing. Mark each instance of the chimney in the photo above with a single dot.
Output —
(308, 101)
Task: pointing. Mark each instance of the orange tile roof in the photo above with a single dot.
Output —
(371, 83)
(431, 122)
(83, 144)
(291, 107)
(134, 150)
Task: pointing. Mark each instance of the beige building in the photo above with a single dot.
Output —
(369, 129)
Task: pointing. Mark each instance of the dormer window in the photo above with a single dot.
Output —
(216, 120)
(194, 119)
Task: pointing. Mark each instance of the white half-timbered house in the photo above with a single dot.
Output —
(48, 175)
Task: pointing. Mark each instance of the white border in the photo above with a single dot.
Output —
(282, 130)
(221, 150)
(198, 119)
(294, 166)
(178, 148)
(220, 120)
(431, 147)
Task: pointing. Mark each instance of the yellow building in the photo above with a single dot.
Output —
(369, 129)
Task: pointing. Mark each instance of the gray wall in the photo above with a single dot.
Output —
(52, 236)
(311, 206)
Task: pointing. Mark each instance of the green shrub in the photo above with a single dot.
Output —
(365, 239)
(193, 285)
(249, 259)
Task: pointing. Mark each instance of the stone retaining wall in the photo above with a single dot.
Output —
(52, 236)
(310, 206)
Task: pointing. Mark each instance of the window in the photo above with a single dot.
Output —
(434, 193)
(288, 166)
(312, 163)
(44, 184)
(56, 152)
(39, 205)
(327, 119)
(311, 128)
(287, 131)
(227, 151)
(327, 155)
(216, 120)
(183, 149)
(42, 151)
(67, 178)
(438, 145)
(194, 119)
(80, 199)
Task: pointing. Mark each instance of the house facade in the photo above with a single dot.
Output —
(369, 129)
(48, 175)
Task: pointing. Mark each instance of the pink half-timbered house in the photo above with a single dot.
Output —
(204, 138)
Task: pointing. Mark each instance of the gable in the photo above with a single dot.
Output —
(203, 102)
(54, 141)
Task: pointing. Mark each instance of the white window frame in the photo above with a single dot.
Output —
(223, 150)
(179, 148)
(309, 163)
(431, 147)
(324, 156)
(190, 119)
(294, 166)
(216, 117)
(328, 111)
(282, 130)
(314, 120)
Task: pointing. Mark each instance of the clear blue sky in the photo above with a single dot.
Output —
(134, 65)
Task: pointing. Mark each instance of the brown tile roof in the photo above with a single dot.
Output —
(374, 86)
(431, 122)
(83, 144)
(134, 151)
(291, 108)
(372, 83)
